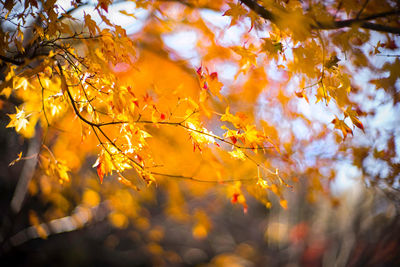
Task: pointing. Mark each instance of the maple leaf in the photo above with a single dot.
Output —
(100, 169)
(20, 82)
(18, 120)
(200, 135)
(233, 135)
(237, 154)
(248, 57)
(105, 164)
(103, 4)
(91, 24)
(236, 11)
(209, 82)
(332, 62)
(239, 120)
(62, 171)
(352, 114)
(342, 126)
(322, 94)
(213, 84)
(16, 160)
(296, 22)
(252, 135)
(237, 196)
(302, 94)
(272, 46)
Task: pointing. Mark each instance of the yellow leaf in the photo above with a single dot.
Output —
(237, 154)
(248, 57)
(252, 135)
(199, 134)
(20, 82)
(236, 11)
(239, 120)
(18, 120)
(17, 159)
(62, 171)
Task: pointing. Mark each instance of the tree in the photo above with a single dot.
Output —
(239, 97)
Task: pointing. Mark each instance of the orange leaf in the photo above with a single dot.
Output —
(352, 114)
(100, 169)
(342, 126)
(100, 173)
(301, 94)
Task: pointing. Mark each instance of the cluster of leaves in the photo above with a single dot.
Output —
(152, 117)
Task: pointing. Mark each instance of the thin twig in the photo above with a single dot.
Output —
(202, 180)
(362, 9)
(26, 175)
(323, 67)
(43, 107)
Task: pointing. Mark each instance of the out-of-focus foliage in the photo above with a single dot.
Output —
(200, 100)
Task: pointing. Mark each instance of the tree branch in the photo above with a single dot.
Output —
(335, 24)
(26, 176)
(203, 180)
(349, 23)
(260, 10)
(10, 60)
(72, 10)
(362, 8)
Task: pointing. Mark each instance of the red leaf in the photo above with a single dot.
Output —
(199, 71)
(100, 172)
(234, 139)
(235, 198)
(139, 158)
(302, 95)
(214, 75)
(359, 125)
(104, 6)
(391, 45)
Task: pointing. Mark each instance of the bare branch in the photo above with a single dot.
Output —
(204, 181)
(362, 8)
(10, 60)
(27, 173)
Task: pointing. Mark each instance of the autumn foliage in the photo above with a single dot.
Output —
(242, 99)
